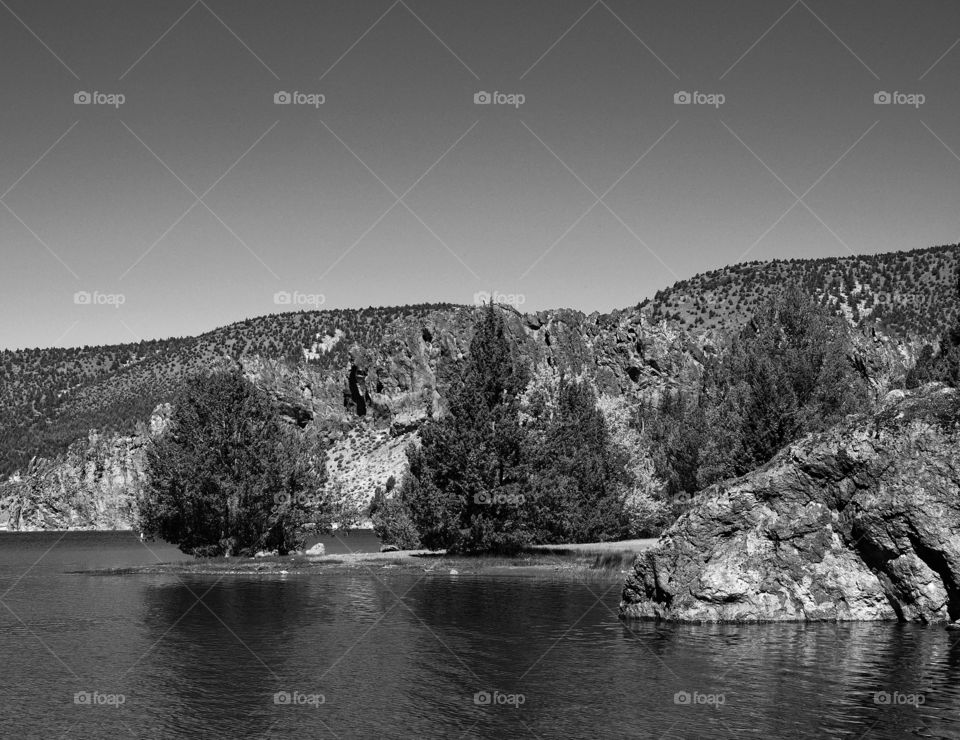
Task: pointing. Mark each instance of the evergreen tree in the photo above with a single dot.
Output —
(229, 476)
(466, 482)
(578, 479)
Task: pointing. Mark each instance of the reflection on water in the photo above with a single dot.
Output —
(400, 655)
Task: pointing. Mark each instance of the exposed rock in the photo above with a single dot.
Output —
(92, 486)
(389, 548)
(858, 523)
(316, 550)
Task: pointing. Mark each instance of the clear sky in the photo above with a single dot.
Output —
(197, 199)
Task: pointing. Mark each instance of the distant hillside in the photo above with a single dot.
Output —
(392, 361)
(899, 293)
(51, 397)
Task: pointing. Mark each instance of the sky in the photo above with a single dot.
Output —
(187, 194)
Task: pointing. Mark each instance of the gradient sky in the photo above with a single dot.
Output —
(92, 198)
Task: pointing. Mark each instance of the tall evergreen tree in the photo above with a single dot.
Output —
(578, 477)
(465, 485)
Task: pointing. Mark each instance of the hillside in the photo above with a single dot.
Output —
(365, 383)
(900, 293)
(370, 370)
(51, 397)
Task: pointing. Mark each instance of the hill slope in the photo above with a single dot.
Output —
(392, 361)
(900, 293)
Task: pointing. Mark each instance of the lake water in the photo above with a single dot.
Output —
(374, 655)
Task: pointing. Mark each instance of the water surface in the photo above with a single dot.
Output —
(381, 654)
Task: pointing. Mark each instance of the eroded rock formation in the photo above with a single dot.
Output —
(858, 523)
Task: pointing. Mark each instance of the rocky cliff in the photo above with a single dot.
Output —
(371, 403)
(858, 523)
(93, 486)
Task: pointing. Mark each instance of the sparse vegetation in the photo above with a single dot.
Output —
(901, 293)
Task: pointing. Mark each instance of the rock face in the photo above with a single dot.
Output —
(372, 404)
(93, 486)
(858, 523)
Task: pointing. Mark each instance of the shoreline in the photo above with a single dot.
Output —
(605, 560)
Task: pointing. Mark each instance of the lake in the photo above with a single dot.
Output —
(374, 654)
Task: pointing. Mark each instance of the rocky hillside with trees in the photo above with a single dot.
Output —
(901, 294)
(366, 381)
(855, 523)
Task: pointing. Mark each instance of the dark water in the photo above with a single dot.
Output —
(400, 655)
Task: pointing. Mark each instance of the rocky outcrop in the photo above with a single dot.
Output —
(93, 486)
(858, 523)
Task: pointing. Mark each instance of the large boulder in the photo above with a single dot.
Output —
(858, 523)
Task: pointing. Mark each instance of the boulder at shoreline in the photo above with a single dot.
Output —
(861, 522)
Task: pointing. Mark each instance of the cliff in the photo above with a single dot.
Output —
(93, 486)
(858, 523)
